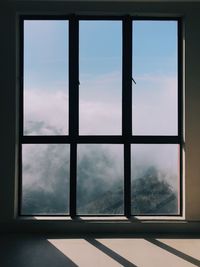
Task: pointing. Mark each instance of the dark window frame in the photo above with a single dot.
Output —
(126, 139)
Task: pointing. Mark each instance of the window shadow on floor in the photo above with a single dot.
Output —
(30, 251)
(109, 252)
(173, 251)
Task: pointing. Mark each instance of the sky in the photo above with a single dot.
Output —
(154, 109)
(154, 103)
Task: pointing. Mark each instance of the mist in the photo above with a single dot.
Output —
(100, 189)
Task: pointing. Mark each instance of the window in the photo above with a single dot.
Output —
(100, 116)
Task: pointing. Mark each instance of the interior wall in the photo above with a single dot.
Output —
(192, 112)
(9, 86)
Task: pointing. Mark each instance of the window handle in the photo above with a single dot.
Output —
(133, 80)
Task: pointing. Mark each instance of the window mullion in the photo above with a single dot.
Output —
(21, 114)
(180, 109)
(21, 82)
(127, 78)
(127, 110)
(73, 77)
(73, 107)
(180, 79)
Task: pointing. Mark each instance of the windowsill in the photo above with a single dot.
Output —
(136, 219)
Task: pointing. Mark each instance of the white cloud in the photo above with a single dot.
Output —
(155, 106)
(45, 166)
(163, 157)
(48, 107)
(157, 98)
(106, 160)
(100, 118)
(99, 105)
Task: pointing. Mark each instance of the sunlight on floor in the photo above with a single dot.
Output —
(143, 253)
(190, 247)
(83, 253)
(130, 251)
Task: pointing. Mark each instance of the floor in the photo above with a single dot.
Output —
(35, 251)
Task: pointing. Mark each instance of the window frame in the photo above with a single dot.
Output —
(126, 138)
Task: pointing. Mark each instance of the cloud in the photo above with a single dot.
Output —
(163, 157)
(46, 111)
(155, 105)
(45, 179)
(101, 104)
(49, 108)
(107, 160)
(100, 174)
(46, 167)
(99, 119)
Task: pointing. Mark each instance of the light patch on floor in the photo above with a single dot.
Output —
(143, 253)
(190, 247)
(135, 251)
(83, 253)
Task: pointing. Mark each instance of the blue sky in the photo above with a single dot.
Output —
(47, 42)
(100, 49)
(45, 53)
(154, 47)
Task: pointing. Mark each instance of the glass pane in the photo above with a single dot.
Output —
(155, 72)
(100, 54)
(100, 179)
(45, 179)
(155, 179)
(45, 77)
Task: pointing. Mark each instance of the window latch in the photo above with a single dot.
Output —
(133, 80)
